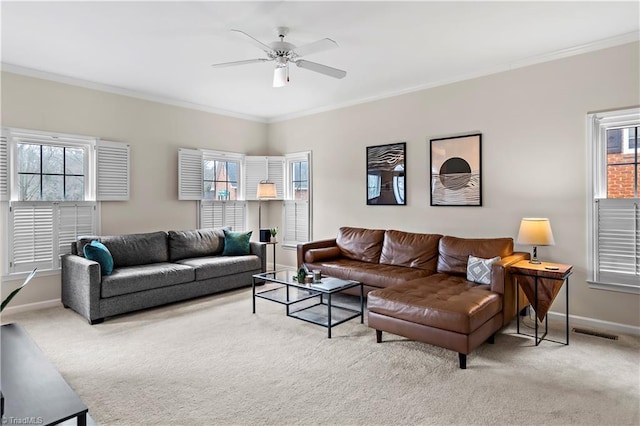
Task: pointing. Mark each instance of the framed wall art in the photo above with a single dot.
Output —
(386, 175)
(456, 171)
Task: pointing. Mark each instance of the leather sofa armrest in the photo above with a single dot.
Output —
(302, 248)
(500, 271)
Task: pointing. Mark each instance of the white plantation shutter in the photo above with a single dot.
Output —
(43, 231)
(296, 222)
(618, 241)
(112, 171)
(190, 174)
(258, 168)
(4, 168)
(218, 214)
(74, 220)
(31, 242)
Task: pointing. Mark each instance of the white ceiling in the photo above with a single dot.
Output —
(163, 50)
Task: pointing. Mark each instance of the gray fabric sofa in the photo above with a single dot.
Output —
(154, 269)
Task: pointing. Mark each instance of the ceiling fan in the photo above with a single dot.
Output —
(284, 53)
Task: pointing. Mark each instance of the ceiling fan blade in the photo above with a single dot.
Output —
(260, 45)
(234, 63)
(315, 47)
(322, 69)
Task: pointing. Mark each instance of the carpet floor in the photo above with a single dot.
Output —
(210, 361)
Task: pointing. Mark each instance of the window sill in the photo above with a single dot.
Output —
(20, 276)
(618, 287)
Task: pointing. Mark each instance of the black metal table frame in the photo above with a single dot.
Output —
(313, 292)
(565, 282)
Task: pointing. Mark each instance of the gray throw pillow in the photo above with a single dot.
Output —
(479, 270)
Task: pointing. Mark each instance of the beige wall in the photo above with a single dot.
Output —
(534, 150)
(155, 132)
(534, 155)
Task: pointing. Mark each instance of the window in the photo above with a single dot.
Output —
(297, 206)
(221, 179)
(52, 184)
(214, 180)
(614, 211)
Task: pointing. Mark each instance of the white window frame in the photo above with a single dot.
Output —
(291, 203)
(627, 211)
(106, 177)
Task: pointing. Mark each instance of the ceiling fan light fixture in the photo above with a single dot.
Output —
(280, 76)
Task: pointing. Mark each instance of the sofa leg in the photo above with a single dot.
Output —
(96, 321)
(492, 339)
(378, 336)
(463, 360)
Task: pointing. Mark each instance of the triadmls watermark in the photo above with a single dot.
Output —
(22, 420)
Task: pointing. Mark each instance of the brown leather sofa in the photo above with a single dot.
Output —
(417, 283)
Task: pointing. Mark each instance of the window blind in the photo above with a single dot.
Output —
(218, 214)
(618, 241)
(112, 171)
(4, 168)
(296, 221)
(258, 168)
(190, 172)
(42, 232)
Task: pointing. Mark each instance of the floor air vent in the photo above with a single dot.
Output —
(595, 333)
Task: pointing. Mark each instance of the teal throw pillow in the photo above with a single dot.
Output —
(236, 243)
(98, 252)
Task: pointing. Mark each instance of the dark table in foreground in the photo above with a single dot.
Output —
(34, 391)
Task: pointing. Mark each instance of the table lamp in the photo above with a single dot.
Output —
(265, 190)
(535, 232)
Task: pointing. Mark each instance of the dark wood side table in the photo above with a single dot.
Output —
(541, 283)
(34, 391)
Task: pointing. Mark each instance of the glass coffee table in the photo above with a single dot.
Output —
(310, 302)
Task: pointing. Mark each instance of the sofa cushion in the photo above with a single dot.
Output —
(442, 301)
(195, 243)
(410, 250)
(130, 279)
(98, 252)
(220, 266)
(137, 249)
(454, 252)
(360, 244)
(236, 243)
(371, 274)
(319, 254)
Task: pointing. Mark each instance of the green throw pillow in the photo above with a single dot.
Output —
(98, 252)
(236, 243)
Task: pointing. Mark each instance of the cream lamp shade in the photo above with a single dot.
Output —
(535, 231)
(266, 189)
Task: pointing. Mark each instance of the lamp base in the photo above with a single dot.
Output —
(535, 261)
(534, 257)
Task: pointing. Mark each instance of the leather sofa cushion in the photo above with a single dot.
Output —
(372, 274)
(195, 243)
(454, 252)
(220, 266)
(410, 250)
(360, 244)
(131, 279)
(442, 301)
(319, 254)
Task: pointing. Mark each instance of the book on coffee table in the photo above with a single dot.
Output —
(330, 283)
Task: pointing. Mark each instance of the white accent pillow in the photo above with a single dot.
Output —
(479, 270)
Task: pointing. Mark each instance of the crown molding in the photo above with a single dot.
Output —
(30, 72)
(533, 60)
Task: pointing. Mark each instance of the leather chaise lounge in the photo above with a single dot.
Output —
(417, 283)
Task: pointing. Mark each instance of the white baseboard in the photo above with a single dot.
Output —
(33, 306)
(597, 324)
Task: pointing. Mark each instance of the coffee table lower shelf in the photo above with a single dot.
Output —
(324, 312)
